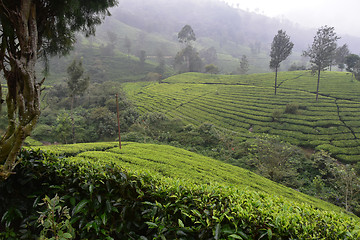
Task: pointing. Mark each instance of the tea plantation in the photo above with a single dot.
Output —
(148, 191)
(246, 105)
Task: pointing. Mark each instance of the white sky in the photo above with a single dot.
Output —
(344, 15)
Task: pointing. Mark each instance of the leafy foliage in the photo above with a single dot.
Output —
(105, 200)
(281, 48)
(30, 30)
(186, 35)
(322, 51)
(55, 220)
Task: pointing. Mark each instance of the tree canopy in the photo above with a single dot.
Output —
(340, 56)
(281, 48)
(322, 51)
(186, 35)
(351, 60)
(29, 30)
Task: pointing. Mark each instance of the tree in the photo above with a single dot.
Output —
(127, 45)
(347, 184)
(160, 69)
(351, 61)
(108, 50)
(244, 65)
(63, 127)
(77, 86)
(142, 58)
(212, 69)
(209, 55)
(340, 56)
(274, 159)
(186, 35)
(322, 51)
(112, 38)
(188, 60)
(281, 48)
(29, 30)
(357, 71)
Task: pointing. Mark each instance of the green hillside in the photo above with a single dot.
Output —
(179, 164)
(246, 105)
(176, 172)
(148, 191)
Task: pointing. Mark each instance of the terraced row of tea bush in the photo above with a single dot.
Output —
(247, 105)
(147, 191)
(177, 163)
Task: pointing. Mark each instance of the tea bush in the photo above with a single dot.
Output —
(108, 201)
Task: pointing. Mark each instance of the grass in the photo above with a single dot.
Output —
(238, 103)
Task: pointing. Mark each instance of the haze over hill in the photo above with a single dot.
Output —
(312, 14)
(152, 26)
(216, 19)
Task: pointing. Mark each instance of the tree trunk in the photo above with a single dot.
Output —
(72, 119)
(318, 83)
(23, 97)
(276, 71)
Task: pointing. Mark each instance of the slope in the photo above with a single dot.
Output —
(247, 105)
(179, 164)
(147, 191)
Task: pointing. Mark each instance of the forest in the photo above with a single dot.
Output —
(233, 125)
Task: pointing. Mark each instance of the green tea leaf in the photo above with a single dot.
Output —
(79, 206)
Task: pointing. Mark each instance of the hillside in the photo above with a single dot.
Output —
(146, 191)
(247, 105)
(179, 164)
(153, 27)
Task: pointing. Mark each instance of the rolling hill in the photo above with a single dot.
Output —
(179, 175)
(179, 164)
(246, 105)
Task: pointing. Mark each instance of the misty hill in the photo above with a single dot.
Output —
(152, 26)
(216, 20)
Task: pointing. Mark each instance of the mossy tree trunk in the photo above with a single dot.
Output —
(23, 97)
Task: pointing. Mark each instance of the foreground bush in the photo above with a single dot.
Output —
(108, 202)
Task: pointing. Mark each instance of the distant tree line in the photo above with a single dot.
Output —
(323, 54)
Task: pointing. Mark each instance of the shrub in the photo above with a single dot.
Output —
(108, 202)
(291, 108)
(276, 115)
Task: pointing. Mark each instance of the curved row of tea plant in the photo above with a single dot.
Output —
(147, 191)
(247, 105)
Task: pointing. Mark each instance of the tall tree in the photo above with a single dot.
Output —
(29, 30)
(340, 55)
(322, 51)
(187, 60)
(161, 61)
(186, 35)
(209, 55)
(356, 71)
(244, 65)
(127, 45)
(351, 61)
(142, 59)
(112, 38)
(77, 86)
(281, 48)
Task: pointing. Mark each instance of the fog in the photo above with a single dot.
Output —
(343, 15)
